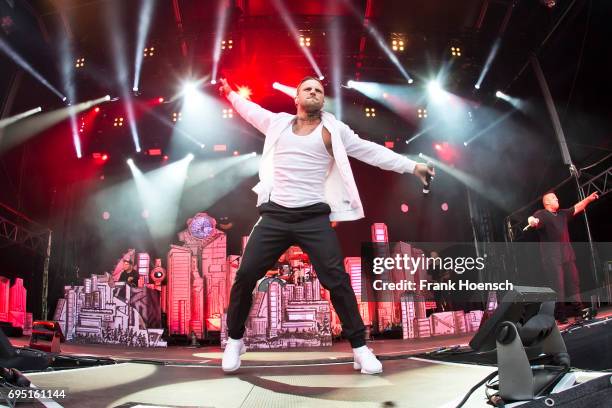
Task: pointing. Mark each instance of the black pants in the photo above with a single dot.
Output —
(278, 229)
(564, 278)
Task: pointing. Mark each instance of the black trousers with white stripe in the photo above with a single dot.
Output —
(308, 227)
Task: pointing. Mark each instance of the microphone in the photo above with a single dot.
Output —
(428, 178)
(526, 227)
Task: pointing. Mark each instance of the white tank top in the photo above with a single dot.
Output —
(301, 164)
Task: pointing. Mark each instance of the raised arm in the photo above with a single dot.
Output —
(581, 205)
(379, 156)
(250, 111)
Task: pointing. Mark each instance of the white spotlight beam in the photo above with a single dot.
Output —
(118, 41)
(287, 90)
(8, 121)
(470, 182)
(380, 41)
(160, 192)
(67, 71)
(487, 65)
(419, 134)
(220, 32)
(144, 22)
(282, 10)
(336, 52)
(20, 132)
(491, 126)
(6, 48)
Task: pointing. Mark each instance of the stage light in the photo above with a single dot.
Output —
(97, 109)
(421, 113)
(228, 113)
(465, 143)
(149, 52)
(118, 121)
(487, 65)
(444, 207)
(370, 112)
(245, 92)
(154, 152)
(275, 85)
(166, 157)
(130, 162)
(202, 146)
(322, 77)
(107, 98)
(499, 94)
(304, 41)
(389, 144)
(350, 83)
(398, 42)
(456, 51)
(236, 153)
(220, 148)
(190, 89)
(190, 157)
(160, 100)
(435, 91)
(404, 208)
(227, 44)
(410, 80)
(80, 63)
(176, 116)
(213, 81)
(438, 146)
(104, 157)
(105, 215)
(135, 89)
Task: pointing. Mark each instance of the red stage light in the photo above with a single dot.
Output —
(160, 100)
(390, 144)
(97, 109)
(438, 146)
(155, 152)
(166, 157)
(105, 157)
(404, 208)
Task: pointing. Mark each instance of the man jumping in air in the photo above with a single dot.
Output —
(305, 182)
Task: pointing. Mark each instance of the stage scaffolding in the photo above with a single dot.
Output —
(18, 229)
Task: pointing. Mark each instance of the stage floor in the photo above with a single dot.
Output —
(192, 377)
(338, 352)
(409, 382)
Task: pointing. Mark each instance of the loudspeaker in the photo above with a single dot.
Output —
(21, 359)
(46, 336)
(595, 393)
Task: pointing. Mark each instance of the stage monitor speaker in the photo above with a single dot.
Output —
(21, 359)
(46, 336)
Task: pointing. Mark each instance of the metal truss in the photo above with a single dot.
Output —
(601, 183)
(34, 241)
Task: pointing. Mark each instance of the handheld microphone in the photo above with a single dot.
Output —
(428, 179)
(526, 227)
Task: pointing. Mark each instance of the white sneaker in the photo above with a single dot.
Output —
(366, 361)
(231, 355)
